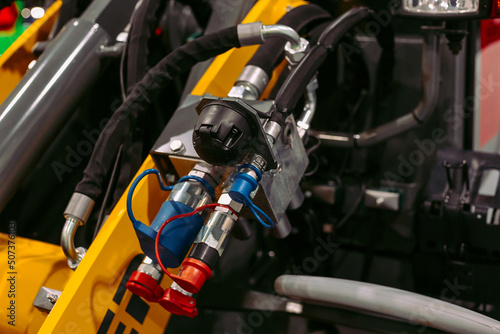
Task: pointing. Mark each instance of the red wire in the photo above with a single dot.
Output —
(189, 214)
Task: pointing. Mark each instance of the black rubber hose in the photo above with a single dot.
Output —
(121, 123)
(296, 83)
(270, 54)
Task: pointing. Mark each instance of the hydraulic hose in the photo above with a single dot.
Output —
(431, 59)
(404, 305)
(122, 121)
(271, 53)
(296, 83)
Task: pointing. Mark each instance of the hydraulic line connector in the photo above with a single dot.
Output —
(194, 190)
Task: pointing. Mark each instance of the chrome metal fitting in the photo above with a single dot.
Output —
(74, 256)
(80, 251)
(250, 33)
(79, 207)
(273, 130)
(283, 31)
(303, 124)
(254, 77)
(255, 160)
(256, 33)
(295, 53)
(212, 174)
(225, 199)
(244, 91)
(150, 268)
(215, 233)
(176, 287)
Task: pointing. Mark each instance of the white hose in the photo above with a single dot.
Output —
(407, 306)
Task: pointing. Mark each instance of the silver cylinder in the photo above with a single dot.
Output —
(216, 231)
(191, 193)
(79, 207)
(250, 33)
(254, 76)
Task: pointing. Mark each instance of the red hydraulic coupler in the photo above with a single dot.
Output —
(178, 302)
(145, 286)
(145, 281)
(193, 275)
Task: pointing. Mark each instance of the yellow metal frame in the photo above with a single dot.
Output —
(88, 295)
(15, 60)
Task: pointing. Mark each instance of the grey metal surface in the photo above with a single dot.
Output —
(297, 199)
(46, 299)
(382, 200)
(277, 187)
(43, 101)
(79, 207)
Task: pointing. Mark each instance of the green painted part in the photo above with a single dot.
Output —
(8, 37)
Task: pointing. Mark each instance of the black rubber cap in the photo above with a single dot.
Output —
(222, 134)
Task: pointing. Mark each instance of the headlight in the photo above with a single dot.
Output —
(449, 9)
(446, 7)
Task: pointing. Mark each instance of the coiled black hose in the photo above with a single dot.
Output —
(124, 118)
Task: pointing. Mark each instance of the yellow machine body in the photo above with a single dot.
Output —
(94, 298)
(15, 60)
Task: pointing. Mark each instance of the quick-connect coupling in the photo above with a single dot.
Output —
(145, 281)
(244, 183)
(192, 191)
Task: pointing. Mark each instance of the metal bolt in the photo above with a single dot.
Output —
(177, 146)
(52, 298)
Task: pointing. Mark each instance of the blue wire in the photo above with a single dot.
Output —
(257, 212)
(134, 185)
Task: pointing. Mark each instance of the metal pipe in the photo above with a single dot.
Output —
(304, 122)
(431, 59)
(67, 237)
(407, 306)
(283, 31)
